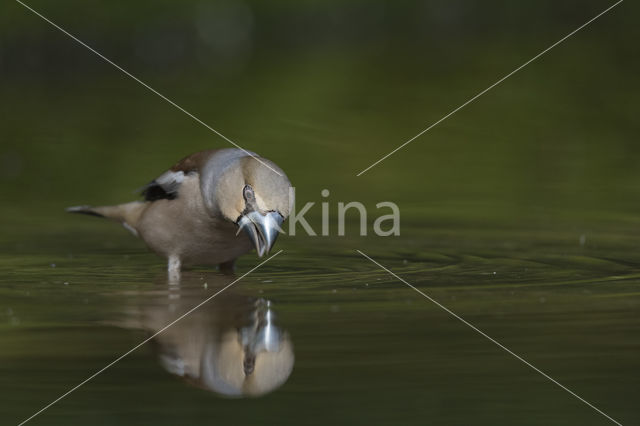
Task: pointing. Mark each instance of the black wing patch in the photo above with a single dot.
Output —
(153, 192)
(164, 187)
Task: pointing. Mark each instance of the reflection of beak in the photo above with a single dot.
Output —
(262, 229)
(248, 364)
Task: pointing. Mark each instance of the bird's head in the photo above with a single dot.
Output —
(255, 198)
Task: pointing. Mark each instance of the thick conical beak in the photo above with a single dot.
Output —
(262, 229)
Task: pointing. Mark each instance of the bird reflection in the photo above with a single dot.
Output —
(230, 345)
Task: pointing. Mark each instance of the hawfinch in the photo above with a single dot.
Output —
(194, 212)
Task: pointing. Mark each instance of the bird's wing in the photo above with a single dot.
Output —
(167, 185)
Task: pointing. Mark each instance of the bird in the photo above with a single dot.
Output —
(209, 208)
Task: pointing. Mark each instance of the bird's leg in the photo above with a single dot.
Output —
(174, 269)
(227, 268)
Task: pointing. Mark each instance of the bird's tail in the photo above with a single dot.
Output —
(127, 214)
(92, 211)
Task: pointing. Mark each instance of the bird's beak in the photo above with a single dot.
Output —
(262, 229)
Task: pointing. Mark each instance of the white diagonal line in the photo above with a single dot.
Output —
(146, 85)
(146, 340)
(501, 346)
(492, 86)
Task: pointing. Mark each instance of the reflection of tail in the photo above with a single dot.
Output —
(128, 214)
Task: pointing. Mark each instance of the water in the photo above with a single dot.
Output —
(367, 348)
(520, 214)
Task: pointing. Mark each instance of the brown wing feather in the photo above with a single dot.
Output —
(166, 185)
(193, 162)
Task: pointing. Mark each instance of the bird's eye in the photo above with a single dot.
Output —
(247, 193)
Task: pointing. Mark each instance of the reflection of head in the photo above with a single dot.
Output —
(223, 367)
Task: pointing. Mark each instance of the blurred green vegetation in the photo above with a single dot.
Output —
(324, 89)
